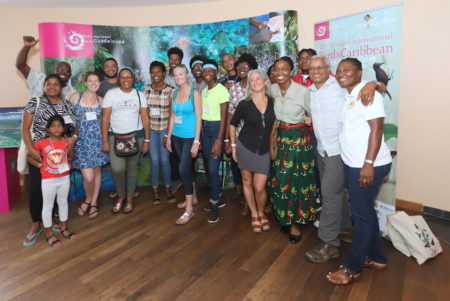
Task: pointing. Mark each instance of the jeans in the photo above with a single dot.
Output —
(210, 130)
(124, 170)
(182, 148)
(159, 155)
(366, 239)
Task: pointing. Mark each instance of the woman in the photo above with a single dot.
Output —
(184, 134)
(238, 92)
(125, 110)
(252, 150)
(215, 99)
(293, 179)
(35, 117)
(159, 98)
(367, 160)
(89, 157)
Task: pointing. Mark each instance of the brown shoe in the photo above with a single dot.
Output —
(323, 252)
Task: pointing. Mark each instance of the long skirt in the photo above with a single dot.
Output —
(293, 180)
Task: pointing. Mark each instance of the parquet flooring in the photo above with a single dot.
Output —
(145, 256)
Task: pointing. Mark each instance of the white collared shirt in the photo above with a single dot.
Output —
(326, 106)
(354, 138)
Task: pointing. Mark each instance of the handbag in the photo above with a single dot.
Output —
(127, 144)
(412, 236)
(22, 164)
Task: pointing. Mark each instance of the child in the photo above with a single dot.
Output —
(55, 170)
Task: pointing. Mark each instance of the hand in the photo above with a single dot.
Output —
(366, 175)
(35, 154)
(29, 41)
(228, 148)
(168, 144)
(233, 152)
(105, 147)
(194, 149)
(145, 146)
(366, 94)
(308, 120)
(71, 140)
(228, 84)
(216, 149)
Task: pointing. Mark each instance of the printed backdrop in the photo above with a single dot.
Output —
(374, 38)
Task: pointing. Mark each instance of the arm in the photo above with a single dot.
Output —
(366, 94)
(26, 135)
(232, 130)
(106, 116)
(146, 124)
(21, 60)
(376, 133)
(223, 119)
(74, 97)
(70, 155)
(198, 122)
(227, 134)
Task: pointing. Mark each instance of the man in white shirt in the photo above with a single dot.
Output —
(326, 102)
(35, 79)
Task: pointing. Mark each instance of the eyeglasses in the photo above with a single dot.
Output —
(318, 68)
(243, 67)
(62, 69)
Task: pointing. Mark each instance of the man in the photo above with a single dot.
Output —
(175, 56)
(326, 101)
(303, 58)
(196, 69)
(110, 69)
(35, 79)
(228, 61)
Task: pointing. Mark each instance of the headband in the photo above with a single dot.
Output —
(209, 66)
(197, 62)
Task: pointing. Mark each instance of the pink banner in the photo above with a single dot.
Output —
(66, 40)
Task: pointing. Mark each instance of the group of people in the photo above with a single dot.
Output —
(289, 137)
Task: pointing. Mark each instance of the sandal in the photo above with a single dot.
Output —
(54, 243)
(82, 211)
(170, 196)
(156, 199)
(129, 207)
(183, 204)
(256, 225)
(265, 224)
(69, 234)
(116, 208)
(32, 238)
(113, 195)
(342, 276)
(56, 228)
(184, 218)
(368, 263)
(93, 214)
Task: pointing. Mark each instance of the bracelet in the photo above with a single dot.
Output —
(166, 136)
(233, 144)
(146, 140)
(368, 161)
(196, 141)
(76, 137)
(226, 140)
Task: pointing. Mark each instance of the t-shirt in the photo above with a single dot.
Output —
(54, 158)
(211, 100)
(125, 115)
(105, 86)
(257, 127)
(354, 138)
(44, 111)
(36, 80)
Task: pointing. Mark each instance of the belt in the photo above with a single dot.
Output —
(293, 126)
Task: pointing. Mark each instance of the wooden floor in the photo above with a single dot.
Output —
(145, 256)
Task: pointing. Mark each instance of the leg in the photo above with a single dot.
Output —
(249, 194)
(132, 163)
(49, 189)
(118, 168)
(93, 211)
(208, 136)
(35, 204)
(88, 184)
(155, 157)
(259, 185)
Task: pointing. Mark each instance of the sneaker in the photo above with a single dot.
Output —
(175, 186)
(213, 216)
(323, 252)
(211, 206)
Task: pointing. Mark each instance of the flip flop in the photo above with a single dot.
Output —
(56, 228)
(33, 238)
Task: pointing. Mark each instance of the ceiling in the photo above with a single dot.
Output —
(97, 3)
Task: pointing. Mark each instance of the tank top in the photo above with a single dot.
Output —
(184, 123)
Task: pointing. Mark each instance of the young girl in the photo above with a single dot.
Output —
(55, 171)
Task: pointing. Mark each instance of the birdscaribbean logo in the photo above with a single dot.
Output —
(322, 31)
(74, 40)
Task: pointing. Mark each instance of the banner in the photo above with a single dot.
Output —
(373, 37)
(86, 47)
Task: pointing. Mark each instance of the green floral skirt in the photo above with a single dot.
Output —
(293, 180)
